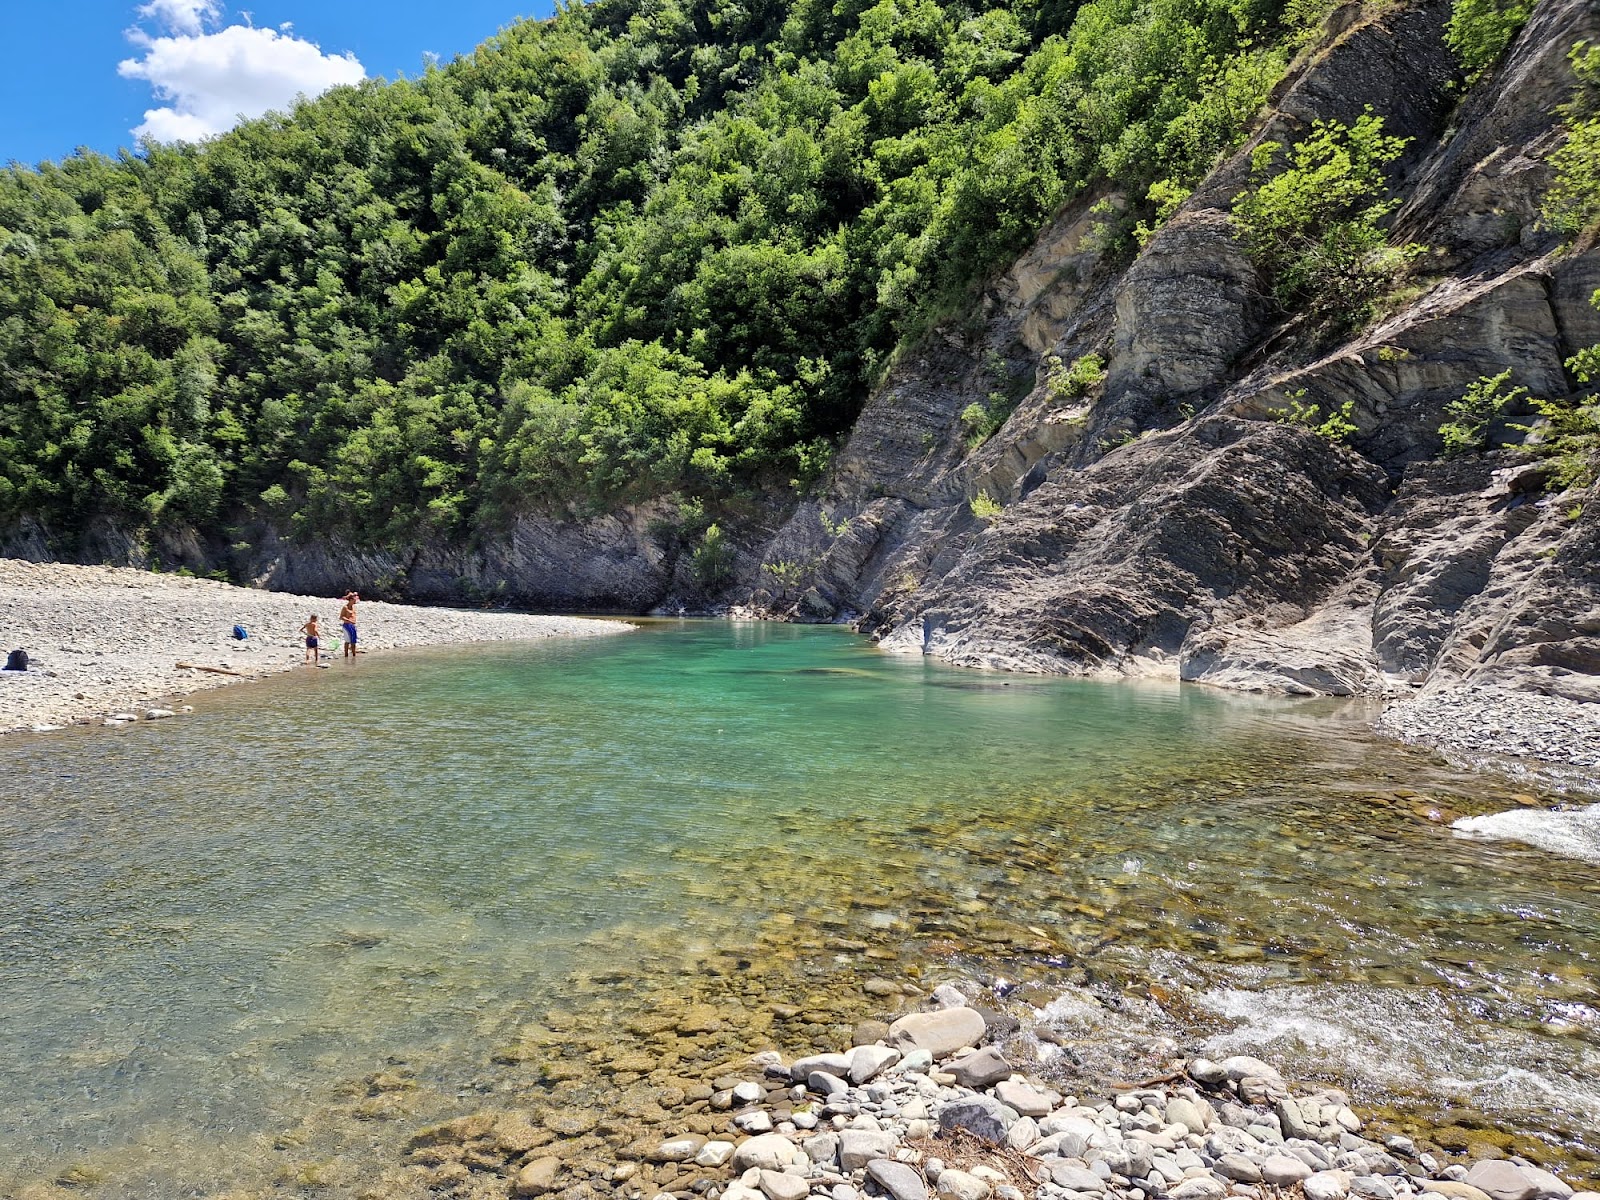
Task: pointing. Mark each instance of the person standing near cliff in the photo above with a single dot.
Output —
(347, 618)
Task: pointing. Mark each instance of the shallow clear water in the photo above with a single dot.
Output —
(214, 929)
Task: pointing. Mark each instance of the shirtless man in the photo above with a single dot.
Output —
(347, 618)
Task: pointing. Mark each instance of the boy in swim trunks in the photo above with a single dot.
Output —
(347, 618)
(313, 634)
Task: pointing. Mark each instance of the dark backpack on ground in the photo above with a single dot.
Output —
(17, 660)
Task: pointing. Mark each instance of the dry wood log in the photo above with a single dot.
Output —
(183, 666)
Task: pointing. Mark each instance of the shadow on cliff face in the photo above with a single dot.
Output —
(1163, 520)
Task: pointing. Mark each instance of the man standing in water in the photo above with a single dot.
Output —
(347, 618)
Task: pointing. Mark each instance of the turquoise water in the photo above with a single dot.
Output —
(215, 928)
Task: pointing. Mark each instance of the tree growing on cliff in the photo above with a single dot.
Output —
(1313, 219)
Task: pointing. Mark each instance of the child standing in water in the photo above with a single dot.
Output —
(313, 640)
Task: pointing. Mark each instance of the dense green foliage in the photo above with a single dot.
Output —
(1570, 434)
(1572, 203)
(648, 246)
(1313, 219)
(1479, 31)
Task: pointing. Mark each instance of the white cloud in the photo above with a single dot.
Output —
(182, 16)
(213, 79)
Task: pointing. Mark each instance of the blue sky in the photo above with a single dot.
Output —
(190, 65)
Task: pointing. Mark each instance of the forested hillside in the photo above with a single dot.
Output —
(642, 249)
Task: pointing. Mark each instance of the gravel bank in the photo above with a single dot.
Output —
(937, 1106)
(1546, 735)
(106, 640)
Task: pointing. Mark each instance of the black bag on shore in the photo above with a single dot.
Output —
(17, 660)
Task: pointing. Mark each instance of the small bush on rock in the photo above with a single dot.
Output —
(1337, 426)
(1467, 429)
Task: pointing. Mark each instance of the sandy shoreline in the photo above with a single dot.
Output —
(106, 640)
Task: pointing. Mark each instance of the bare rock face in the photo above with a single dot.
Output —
(1186, 309)
(1122, 560)
(1165, 520)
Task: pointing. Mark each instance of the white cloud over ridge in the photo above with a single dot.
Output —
(212, 79)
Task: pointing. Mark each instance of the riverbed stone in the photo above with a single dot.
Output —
(1372, 1187)
(1546, 1185)
(833, 1064)
(767, 1152)
(1193, 1116)
(823, 1149)
(1326, 1185)
(748, 1092)
(678, 1149)
(1501, 1180)
(537, 1178)
(941, 1033)
(1238, 1168)
(758, 1121)
(1203, 1070)
(868, 1062)
(776, 1185)
(714, 1154)
(981, 1116)
(1283, 1170)
(825, 1083)
(858, 1147)
(982, 1069)
(899, 1180)
(1200, 1187)
(1024, 1132)
(960, 1185)
(1076, 1179)
(1028, 1101)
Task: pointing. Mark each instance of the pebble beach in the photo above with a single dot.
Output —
(104, 642)
(936, 1105)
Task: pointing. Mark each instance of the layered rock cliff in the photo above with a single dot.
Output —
(1163, 520)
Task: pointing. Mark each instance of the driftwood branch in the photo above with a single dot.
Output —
(213, 670)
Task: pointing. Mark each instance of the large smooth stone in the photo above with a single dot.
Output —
(1547, 1186)
(1075, 1179)
(858, 1147)
(1326, 1185)
(833, 1064)
(678, 1149)
(1242, 1066)
(1457, 1191)
(1201, 1187)
(714, 1154)
(537, 1178)
(899, 1180)
(778, 1186)
(823, 1149)
(983, 1069)
(1238, 1168)
(958, 1185)
(1283, 1171)
(768, 1152)
(1024, 1132)
(1190, 1115)
(1026, 1100)
(940, 1033)
(980, 1116)
(1502, 1180)
(868, 1062)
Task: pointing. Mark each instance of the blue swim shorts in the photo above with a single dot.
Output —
(350, 632)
